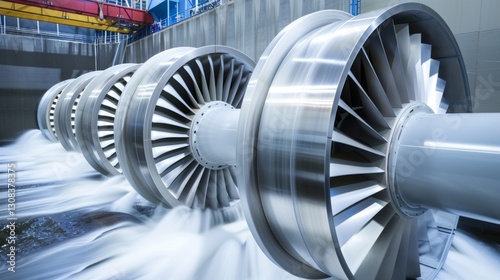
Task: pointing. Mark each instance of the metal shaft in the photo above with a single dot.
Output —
(451, 163)
(216, 135)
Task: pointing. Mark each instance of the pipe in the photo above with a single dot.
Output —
(451, 163)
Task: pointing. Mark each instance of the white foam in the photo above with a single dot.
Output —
(179, 243)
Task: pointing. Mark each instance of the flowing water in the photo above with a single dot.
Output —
(72, 223)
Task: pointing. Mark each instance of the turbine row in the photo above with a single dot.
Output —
(314, 138)
(110, 116)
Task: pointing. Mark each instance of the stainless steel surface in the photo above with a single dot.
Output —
(64, 114)
(213, 135)
(401, 206)
(451, 163)
(46, 110)
(154, 121)
(255, 98)
(314, 128)
(95, 114)
(132, 163)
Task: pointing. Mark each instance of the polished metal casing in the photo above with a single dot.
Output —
(248, 147)
(154, 118)
(46, 110)
(95, 113)
(66, 110)
(287, 168)
(144, 82)
(450, 163)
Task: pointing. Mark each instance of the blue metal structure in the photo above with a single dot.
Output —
(168, 12)
(355, 7)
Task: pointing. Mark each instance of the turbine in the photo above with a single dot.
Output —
(95, 117)
(344, 145)
(351, 140)
(46, 110)
(157, 126)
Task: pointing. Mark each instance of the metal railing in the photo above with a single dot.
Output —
(138, 4)
(105, 37)
(80, 38)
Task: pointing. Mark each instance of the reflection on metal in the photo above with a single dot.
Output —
(65, 111)
(443, 158)
(355, 7)
(95, 116)
(155, 120)
(326, 123)
(46, 110)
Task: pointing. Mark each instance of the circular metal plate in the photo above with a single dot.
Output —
(95, 117)
(313, 138)
(153, 124)
(66, 111)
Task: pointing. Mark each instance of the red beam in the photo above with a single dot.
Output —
(91, 8)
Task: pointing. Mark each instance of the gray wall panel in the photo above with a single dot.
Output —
(247, 25)
(468, 43)
(487, 90)
(488, 55)
(28, 67)
(489, 14)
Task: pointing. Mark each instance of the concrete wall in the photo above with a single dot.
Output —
(247, 25)
(28, 67)
(31, 65)
(476, 25)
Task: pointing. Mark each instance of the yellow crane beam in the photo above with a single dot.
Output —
(61, 17)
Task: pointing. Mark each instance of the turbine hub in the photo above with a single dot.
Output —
(402, 206)
(212, 137)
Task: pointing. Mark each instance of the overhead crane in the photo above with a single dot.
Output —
(83, 13)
